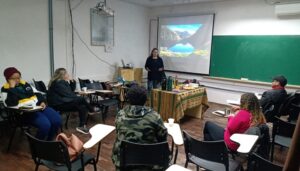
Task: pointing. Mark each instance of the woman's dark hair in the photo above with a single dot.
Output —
(137, 95)
(151, 55)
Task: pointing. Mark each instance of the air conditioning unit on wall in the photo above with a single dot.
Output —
(272, 2)
(287, 9)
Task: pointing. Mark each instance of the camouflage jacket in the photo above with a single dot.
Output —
(138, 124)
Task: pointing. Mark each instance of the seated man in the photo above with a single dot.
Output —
(275, 97)
(137, 123)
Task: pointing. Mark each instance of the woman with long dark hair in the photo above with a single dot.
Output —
(155, 67)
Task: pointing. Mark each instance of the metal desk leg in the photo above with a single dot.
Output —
(98, 152)
(176, 153)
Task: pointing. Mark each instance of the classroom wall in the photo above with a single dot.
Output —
(236, 17)
(24, 38)
(130, 39)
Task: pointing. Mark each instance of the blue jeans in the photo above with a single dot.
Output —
(47, 122)
(213, 132)
(153, 84)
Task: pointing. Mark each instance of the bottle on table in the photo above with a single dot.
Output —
(176, 81)
(170, 83)
(164, 84)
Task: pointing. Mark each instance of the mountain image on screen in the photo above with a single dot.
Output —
(177, 40)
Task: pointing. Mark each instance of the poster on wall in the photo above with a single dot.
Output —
(102, 29)
(185, 43)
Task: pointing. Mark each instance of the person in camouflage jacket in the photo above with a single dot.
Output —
(137, 123)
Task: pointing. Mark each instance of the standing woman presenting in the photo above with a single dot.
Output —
(155, 67)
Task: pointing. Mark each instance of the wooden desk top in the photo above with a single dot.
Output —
(98, 132)
(245, 141)
(175, 132)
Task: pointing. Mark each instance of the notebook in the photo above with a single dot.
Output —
(219, 113)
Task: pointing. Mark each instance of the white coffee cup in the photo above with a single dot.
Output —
(171, 121)
(84, 89)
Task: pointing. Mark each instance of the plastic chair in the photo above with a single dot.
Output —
(282, 134)
(295, 109)
(68, 114)
(134, 155)
(271, 110)
(262, 146)
(40, 86)
(15, 121)
(257, 163)
(3, 118)
(106, 101)
(83, 82)
(211, 155)
(55, 156)
(286, 106)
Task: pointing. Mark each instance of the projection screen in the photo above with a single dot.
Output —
(185, 43)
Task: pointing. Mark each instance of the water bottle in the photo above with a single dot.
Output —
(170, 83)
(164, 84)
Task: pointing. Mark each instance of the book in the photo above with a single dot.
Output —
(30, 108)
(26, 107)
(219, 113)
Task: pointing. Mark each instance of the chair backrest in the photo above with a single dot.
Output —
(135, 154)
(55, 151)
(213, 151)
(73, 85)
(106, 86)
(297, 95)
(40, 86)
(83, 82)
(257, 163)
(286, 105)
(96, 85)
(269, 112)
(262, 146)
(283, 128)
(3, 111)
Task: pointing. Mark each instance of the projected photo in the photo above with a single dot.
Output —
(184, 42)
(179, 40)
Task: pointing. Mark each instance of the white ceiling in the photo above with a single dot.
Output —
(156, 3)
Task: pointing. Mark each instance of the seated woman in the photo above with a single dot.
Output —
(249, 114)
(17, 92)
(61, 97)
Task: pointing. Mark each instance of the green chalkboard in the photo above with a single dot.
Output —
(257, 58)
